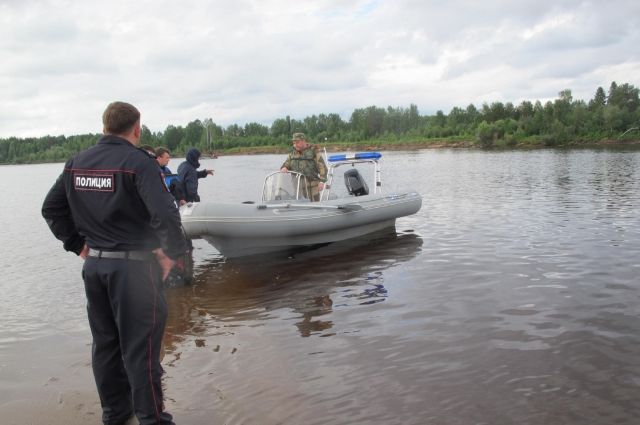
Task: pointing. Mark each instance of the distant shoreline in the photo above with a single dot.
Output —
(392, 146)
(412, 146)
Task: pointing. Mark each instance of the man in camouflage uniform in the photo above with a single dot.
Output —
(307, 160)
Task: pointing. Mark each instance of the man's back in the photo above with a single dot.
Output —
(112, 188)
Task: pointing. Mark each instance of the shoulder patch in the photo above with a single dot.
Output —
(147, 152)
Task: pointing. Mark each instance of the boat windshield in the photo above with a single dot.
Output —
(288, 186)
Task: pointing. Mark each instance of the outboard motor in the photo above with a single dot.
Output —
(355, 183)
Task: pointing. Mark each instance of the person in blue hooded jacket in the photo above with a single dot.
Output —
(188, 174)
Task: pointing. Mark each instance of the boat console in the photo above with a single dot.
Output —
(353, 180)
(292, 186)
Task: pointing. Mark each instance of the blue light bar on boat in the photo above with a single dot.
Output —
(357, 156)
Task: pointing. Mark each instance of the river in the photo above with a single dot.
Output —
(510, 298)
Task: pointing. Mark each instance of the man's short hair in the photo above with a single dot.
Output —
(119, 118)
(161, 151)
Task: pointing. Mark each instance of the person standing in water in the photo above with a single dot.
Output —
(110, 207)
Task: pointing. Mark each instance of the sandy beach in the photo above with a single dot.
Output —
(71, 401)
(69, 398)
(66, 397)
(71, 407)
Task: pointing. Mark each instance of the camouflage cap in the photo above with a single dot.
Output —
(298, 136)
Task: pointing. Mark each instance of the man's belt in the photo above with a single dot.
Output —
(121, 255)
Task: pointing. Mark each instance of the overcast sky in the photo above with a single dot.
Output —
(258, 60)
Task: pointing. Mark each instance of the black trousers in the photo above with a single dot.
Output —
(127, 315)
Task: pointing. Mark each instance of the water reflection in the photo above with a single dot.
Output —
(227, 294)
(314, 308)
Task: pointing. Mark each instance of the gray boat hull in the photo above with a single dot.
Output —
(237, 230)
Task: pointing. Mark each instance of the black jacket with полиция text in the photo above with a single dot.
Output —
(112, 197)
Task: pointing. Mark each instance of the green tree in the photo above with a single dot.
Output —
(192, 135)
(311, 126)
(172, 137)
(333, 125)
(494, 112)
(12, 154)
(234, 130)
(255, 129)
(486, 134)
(459, 122)
(611, 98)
(146, 137)
(473, 113)
(413, 117)
(368, 122)
(280, 127)
(624, 96)
(599, 99)
(562, 106)
(614, 118)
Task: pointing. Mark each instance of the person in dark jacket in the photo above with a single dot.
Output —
(188, 174)
(110, 207)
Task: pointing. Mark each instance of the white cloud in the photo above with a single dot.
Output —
(252, 60)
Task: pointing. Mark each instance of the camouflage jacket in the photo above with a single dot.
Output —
(309, 162)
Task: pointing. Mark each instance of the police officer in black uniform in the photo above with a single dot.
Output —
(110, 207)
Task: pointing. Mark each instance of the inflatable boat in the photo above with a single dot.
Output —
(285, 218)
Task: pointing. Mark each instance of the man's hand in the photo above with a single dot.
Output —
(85, 252)
(210, 172)
(284, 170)
(320, 186)
(166, 263)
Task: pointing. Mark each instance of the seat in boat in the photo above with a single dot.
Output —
(355, 183)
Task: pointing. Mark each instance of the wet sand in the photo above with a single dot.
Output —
(55, 408)
(73, 407)
(72, 400)
(70, 407)
(67, 398)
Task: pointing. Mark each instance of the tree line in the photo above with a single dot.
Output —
(612, 115)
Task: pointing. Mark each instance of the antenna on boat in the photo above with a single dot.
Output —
(326, 163)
